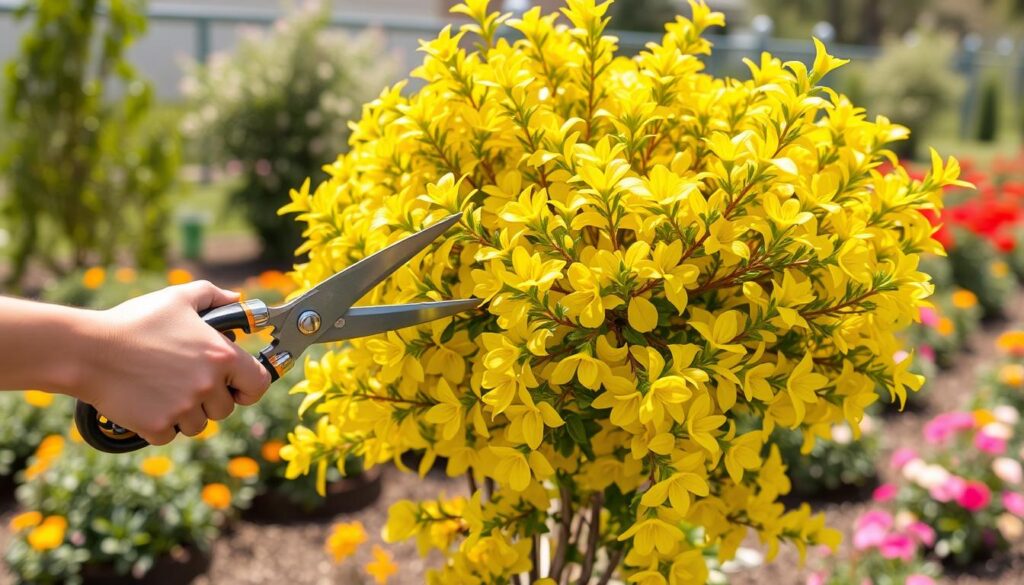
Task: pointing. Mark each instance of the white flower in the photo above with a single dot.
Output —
(842, 434)
(913, 468)
(998, 430)
(1006, 414)
(932, 476)
(1008, 470)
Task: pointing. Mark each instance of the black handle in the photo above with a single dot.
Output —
(105, 435)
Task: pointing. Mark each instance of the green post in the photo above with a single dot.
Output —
(192, 236)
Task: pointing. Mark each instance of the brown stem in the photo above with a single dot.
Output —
(593, 535)
(472, 482)
(613, 562)
(558, 563)
(535, 558)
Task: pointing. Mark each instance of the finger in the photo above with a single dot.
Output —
(248, 377)
(220, 405)
(160, 437)
(193, 422)
(202, 295)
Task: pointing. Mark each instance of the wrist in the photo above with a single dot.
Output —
(81, 331)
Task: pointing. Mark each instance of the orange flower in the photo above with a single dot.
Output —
(1012, 375)
(38, 398)
(344, 539)
(25, 520)
(50, 447)
(1011, 342)
(271, 450)
(964, 299)
(243, 467)
(211, 429)
(156, 466)
(179, 276)
(381, 567)
(73, 433)
(125, 275)
(999, 268)
(93, 278)
(48, 535)
(946, 326)
(983, 417)
(217, 496)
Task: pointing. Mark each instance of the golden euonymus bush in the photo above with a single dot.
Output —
(672, 265)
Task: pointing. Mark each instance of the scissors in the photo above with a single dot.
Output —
(321, 315)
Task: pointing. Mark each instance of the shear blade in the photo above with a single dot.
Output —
(364, 321)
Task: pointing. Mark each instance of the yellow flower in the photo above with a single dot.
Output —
(651, 534)
(38, 398)
(211, 429)
(243, 467)
(964, 299)
(93, 278)
(271, 450)
(1000, 269)
(25, 520)
(48, 535)
(217, 496)
(1012, 375)
(178, 276)
(344, 539)
(1011, 342)
(156, 466)
(381, 567)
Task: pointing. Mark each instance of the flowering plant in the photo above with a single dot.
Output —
(840, 458)
(658, 252)
(967, 487)
(85, 508)
(945, 328)
(886, 550)
(28, 417)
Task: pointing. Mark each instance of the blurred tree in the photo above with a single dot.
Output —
(279, 106)
(85, 179)
(913, 82)
(644, 15)
(988, 115)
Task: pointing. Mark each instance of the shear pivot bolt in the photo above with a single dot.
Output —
(309, 322)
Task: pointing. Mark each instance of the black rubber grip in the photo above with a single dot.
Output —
(229, 317)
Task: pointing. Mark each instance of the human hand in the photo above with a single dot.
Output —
(153, 364)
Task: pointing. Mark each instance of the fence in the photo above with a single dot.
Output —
(181, 32)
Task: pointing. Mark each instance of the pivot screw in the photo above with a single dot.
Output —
(309, 322)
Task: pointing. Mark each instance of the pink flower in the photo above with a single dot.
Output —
(884, 493)
(919, 580)
(942, 427)
(871, 529)
(922, 532)
(950, 489)
(929, 317)
(1014, 503)
(926, 352)
(901, 457)
(816, 579)
(990, 444)
(898, 546)
(975, 496)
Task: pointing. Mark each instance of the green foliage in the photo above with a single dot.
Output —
(280, 106)
(912, 83)
(86, 174)
(988, 116)
(834, 462)
(978, 268)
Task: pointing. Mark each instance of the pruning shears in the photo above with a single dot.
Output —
(323, 314)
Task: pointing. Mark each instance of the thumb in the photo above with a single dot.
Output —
(202, 295)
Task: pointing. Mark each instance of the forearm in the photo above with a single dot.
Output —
(44, 346)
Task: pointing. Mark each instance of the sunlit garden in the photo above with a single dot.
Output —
(747, 280)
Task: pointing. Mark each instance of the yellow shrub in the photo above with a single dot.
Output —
(672, 265)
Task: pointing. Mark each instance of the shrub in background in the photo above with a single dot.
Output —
(279, 105)
(659, 252)
(86, 177)
(27, 418)
(835, 459)
(913, 82)
(988, 114)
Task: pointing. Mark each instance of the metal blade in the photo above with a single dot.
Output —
(364, 321)
(333, 297)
